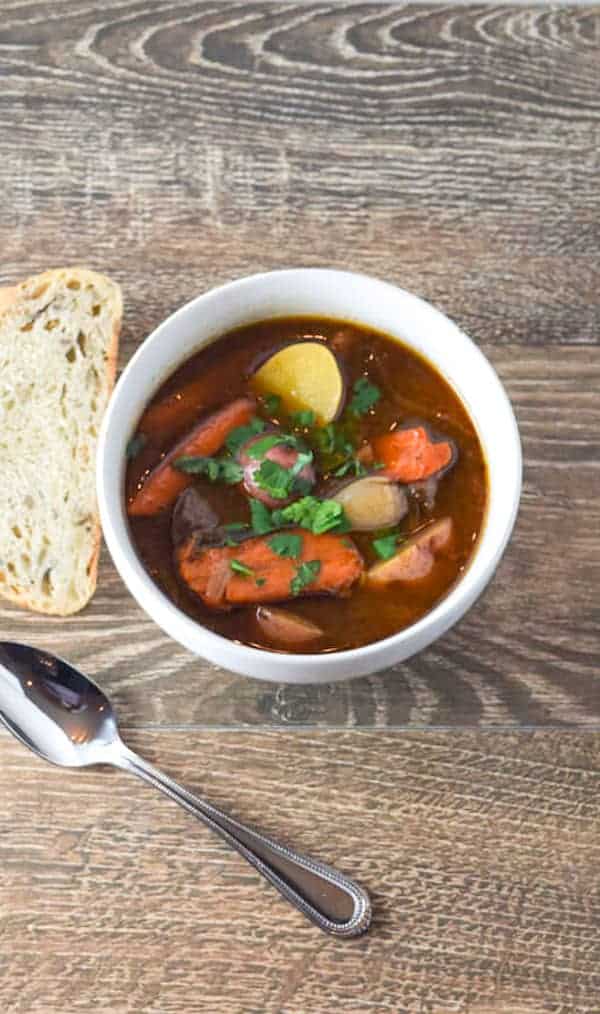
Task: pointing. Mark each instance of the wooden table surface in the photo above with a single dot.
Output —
(455, 151)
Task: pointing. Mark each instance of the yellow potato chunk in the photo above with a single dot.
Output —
(305, 375)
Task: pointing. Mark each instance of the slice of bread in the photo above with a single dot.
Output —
(59, 335)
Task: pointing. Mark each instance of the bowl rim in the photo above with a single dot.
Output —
(194, 635)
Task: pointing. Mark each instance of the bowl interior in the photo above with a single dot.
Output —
(318, 292)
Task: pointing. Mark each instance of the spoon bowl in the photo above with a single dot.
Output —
(54, 709)
(65, 718)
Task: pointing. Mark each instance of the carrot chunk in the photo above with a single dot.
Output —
(164, 483)
(410, 455)
(252, 572)
(181, 408)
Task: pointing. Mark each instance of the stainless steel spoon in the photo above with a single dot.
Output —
(65, 718)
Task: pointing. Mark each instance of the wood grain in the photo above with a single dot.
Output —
(481, 853)
(453, 150)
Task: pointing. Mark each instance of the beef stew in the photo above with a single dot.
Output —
(306, 485)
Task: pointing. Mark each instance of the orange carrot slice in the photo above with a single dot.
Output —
(268, 577)
(410, 455)
(164, 483)
(181, 408)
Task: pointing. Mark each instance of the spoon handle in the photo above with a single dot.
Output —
(334, 902)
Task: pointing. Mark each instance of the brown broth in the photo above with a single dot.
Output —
(411, 390)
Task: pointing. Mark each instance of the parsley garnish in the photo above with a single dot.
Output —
(135, 445)
(302, 486)
(305, 575)
(353, 464)
(329, 516)
(332, 440)
(364, 396)
(334, 445)
(196, 465)
(303, 420)
(304, 458)
(318, 516)
(233, 532)
(386, 546)
(261, 518)
(240, 568)
(215, 469)
(271, 403)
(286, 544)
(259, 448)
(345, 468)
(260, 581)
(278, 481)
(229, 471)
(274, 479)
(242, 434)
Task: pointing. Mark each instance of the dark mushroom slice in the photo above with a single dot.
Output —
(192, 514)
(194, 519)
(415, 558)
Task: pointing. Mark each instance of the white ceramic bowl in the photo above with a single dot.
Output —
(326, 293)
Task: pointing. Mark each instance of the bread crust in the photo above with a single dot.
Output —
(10, 297)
